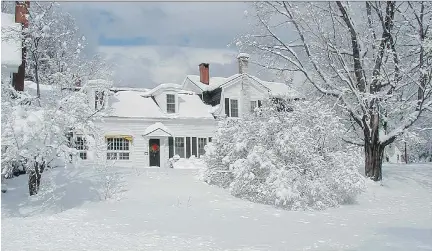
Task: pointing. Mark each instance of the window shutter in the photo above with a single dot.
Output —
(188, 147)
(194, 146)
(171, 147)
(227, 107)
(259, 103)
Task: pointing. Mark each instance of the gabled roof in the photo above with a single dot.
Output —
(11, 42)
(215, 82)
(274, 88)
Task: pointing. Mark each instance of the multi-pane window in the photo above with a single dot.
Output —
(201, 143)
(234, 107)
(171, 105)
(99, 100)
(180, 146)
(81, 146)
(118, 148)
(253, 105)
(185, 147)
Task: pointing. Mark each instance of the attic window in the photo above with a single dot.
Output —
(171, 103)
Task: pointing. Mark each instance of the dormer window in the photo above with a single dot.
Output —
(99, 100)
(171, 104)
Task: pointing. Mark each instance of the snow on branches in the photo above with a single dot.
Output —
(370, 57)
(294, 160)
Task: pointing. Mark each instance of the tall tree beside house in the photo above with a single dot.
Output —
(35, 130)
(54, 47)
(369, 57)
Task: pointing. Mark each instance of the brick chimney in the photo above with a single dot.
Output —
(21, 13)
(204, 73)
(243, 62)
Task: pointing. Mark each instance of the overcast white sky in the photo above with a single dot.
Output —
(153, 43)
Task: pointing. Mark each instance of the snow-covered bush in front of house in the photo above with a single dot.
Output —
(294, 160)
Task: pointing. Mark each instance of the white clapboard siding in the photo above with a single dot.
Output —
(201, 128)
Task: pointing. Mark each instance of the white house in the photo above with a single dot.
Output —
(238, 94)
(10, 45)
(147, 127)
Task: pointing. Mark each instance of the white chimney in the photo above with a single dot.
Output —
(243, 61)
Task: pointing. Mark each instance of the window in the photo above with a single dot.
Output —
(171, 103)
(253, 105)
(234, 107)
(81, 146)
(210, 139)
(201, 143)
(180, 146)
(99, 100)
(118, 149)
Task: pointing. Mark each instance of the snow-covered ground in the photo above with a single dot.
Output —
(169, 209)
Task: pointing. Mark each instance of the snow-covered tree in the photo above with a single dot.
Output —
(294, 159)
(55, 47)
(39, 131)
(369, 57)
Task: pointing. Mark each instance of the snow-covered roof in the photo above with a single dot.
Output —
(279, 89)
(191, 106)
(117, 89)
(243, 55)
(157, 128)
(214, 83)
(11, 42)
(31, 87)
(165, 86)
(131, 104)
(100, 82)
(275, 88)
(127, 104)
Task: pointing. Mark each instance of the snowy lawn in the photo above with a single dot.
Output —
(168, 209)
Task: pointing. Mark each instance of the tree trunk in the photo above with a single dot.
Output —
(34, 178)
(374, 150)
(373, 161)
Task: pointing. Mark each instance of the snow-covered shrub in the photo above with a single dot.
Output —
(291, 159)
